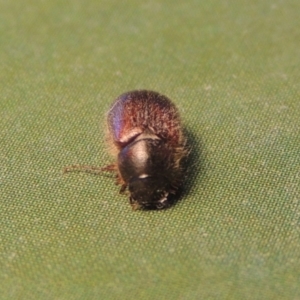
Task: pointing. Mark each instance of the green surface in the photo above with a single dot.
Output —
(232, 68)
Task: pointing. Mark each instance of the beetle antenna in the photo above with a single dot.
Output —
(89, 169)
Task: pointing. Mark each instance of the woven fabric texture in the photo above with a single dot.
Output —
(232, 68)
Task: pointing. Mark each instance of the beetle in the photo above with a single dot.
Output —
(145, 134)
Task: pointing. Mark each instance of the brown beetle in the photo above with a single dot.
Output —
(145, 134)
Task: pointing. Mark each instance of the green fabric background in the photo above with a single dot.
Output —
(232, 68)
